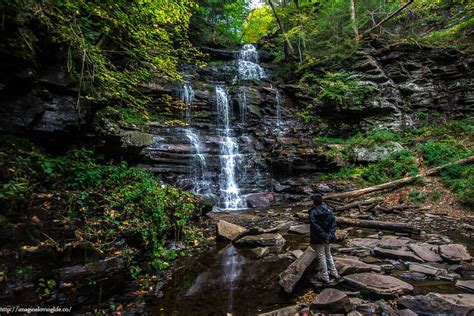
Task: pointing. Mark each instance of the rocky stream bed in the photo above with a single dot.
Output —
(261, 264)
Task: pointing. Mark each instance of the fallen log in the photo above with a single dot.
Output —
(355, 204)
(364, 223)
(396, 183)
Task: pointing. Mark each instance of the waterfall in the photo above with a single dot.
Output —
(247, 61)
(242, 95)
(230, 192)
(278, 107)
(198, 171)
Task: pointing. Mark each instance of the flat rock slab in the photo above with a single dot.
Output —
(467, 285)
(350, 265)
(426, 269)
(296, 270)
(332, 301)
(299, 229)
(286, 311)
(368, 243)
(229, 231)
(439, 304)
(377, 283)
(454, 252)
(393, 242)
(396, 254)
(274, 241)
(425, 253)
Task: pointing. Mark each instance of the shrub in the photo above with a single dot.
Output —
(399, 164)
(443, 151)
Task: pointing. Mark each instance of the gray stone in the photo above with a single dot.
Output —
(286, 311)
(406, 312)
(392, 242)
(229, 231)
(296, 270)
(351, 265)
(299, 229)
(426, 269)
(396, 254)
(275, 242)
(297, 253)
(373, 154)
(467, 285)
(367, 243)
(439, 304)
(425, 253)
(259, 199)
(332, 301)
(377, 283)
(454, 252)
(260, 252)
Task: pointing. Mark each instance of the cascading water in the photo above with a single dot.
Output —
(198, 171)
(248, 66)
(242, 95)
(229, 189)
(278, 107)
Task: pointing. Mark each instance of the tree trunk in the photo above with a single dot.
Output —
(390, 16)
(353, 18)
(396, 183)
(290, 51)
(392, 226)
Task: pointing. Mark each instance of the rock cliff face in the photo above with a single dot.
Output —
(269, 147)
(406, 80)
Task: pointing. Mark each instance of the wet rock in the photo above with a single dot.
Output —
(259, 199)
(406, 312)
(260, 252)
(454, 252)
(297, 253)
(303, 216)
(396, 254)
(229, 231)
(377, 283)
(275, 242)
(439, 304)
(351, 265)
(392, 242)
(332, 301)
(281, 188)
(290, 277)
(426, 269)
(286, 311)
(425, 253)
(299, 229)
(466, 285)
(368, 243)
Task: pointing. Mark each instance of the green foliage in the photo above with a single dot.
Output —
(104, 201)
(395, 166)
(111, 47)
(443, 151)
(342, 88)
(460, 179)
(416, 197)
(259, 23)
(329, 140)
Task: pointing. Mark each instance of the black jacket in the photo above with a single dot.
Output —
(322, 224)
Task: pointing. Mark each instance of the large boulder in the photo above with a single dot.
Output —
(332, 301)
(274, 241)
(377, 283)
(373, 154)
(454, 252)
(425, 253)
(229, 231)
(439, 304)
(299, 229)
(297, 269)
(259, 199)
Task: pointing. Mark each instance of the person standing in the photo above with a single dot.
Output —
(322, 233)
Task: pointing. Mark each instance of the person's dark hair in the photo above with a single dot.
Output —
(317, 199)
